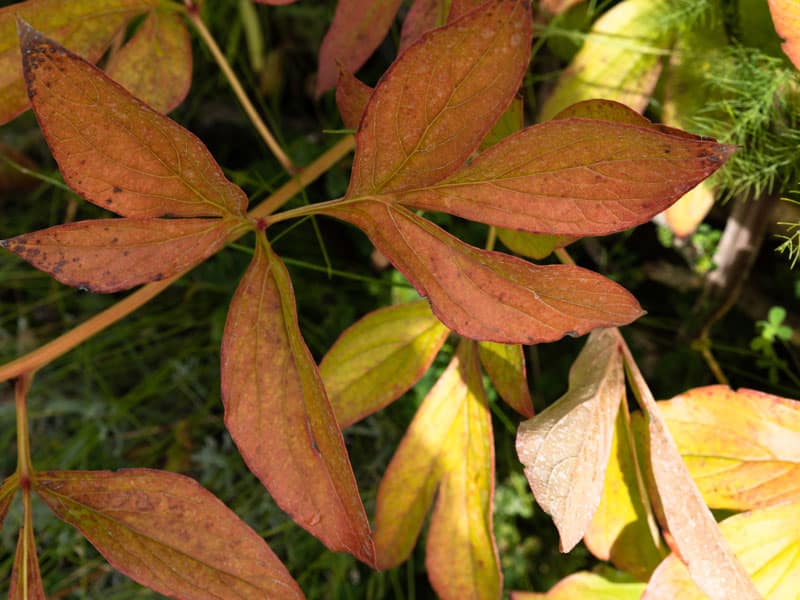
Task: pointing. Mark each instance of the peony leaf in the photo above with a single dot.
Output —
(587, 586)
(26, 580)
(167, 532)
(156, 64)
(695, 533)
(623, 529)
(440, 98)
(458, 8)
(108, 255)
(488, 295)
(575, 177)
(765, 540)
(786, 16)
(619, 60)
(423, 16)
(358, 27)
(448, 442)
(279, 416)
(461, 554)
(86, 26)
(351, 98)
(532, 245)
(379, 358)
(114, 150)
(742, 448)
(505, 366)
(565, 448)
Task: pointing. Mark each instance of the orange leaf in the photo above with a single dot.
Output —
(439, 99)
(26, 580)
(167, 532)
(8, 489)
(742, 448)
(108, 255)
(622, 529)
(488, 295)
(786, 16)
(505, 366)
(448, 442)
(379, 358)
(565, 448)
(574, 177)
(459, 8)
(357, 29)
(87, 26)
(156, 64)
(351, 98)
(116, 151)
(765, 540)
(278, 414)
(556, 7)
(697, 536)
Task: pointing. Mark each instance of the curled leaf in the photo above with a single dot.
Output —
(278, 414)
(114, 150)
(488, 295)
(108, 255)
(167, 532)
(565, 448)
(379, 358)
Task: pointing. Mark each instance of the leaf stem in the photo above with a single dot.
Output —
(69, 340)
(24, 464)
(194, 16)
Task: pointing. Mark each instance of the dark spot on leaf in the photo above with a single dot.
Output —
(116, 189)
(158, 277)
(108, 201)
(57, 268)
(114, 240)
(667, 150)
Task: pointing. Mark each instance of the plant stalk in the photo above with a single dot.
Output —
(233, 80)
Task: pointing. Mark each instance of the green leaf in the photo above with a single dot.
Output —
(379, 358)
(168, 533)
(278, 414)
(587, 586)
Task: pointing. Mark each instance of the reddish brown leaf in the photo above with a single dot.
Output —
(565, 448)
(786, 16)
(108, 255)
(488, 295)
(422, 16)
(711, 562)
(505, 366)
(574, 177)
(114, 150)
(742, 448)
(26, 580)
(351, 98)
(439, 99)
(8, 489)
(458, 8)
(358, 27)
(156, 64)
(167, 532)
(379, 358)
(279, 416)
(86, 26)
(449, 441)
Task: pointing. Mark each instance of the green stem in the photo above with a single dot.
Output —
(194, 16)
(24, 464)
(313, 209)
